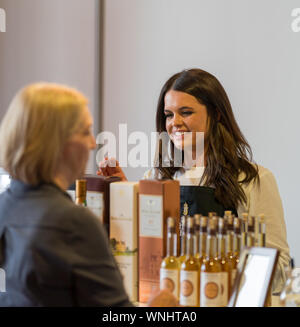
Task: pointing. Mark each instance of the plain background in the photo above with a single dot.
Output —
(248, 45)
(54, 41)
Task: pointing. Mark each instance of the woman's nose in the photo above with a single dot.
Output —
(177, 120)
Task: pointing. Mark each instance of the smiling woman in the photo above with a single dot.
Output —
(223, 176)
(195, 101)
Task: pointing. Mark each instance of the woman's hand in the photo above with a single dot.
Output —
(163, 298)
(110, 167)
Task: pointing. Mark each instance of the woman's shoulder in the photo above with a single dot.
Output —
(263, 171)
(265, 177)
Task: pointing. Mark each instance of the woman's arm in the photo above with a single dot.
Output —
(266, 199)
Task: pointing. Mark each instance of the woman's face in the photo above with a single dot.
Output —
(184, 114)
(77, 149)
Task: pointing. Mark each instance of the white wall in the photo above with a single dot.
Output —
(55, 41)
(248, 45)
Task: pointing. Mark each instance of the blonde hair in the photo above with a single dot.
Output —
(38, 122)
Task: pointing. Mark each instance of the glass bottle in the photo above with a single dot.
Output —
(80, 192)
(229, 247)
(237, 240)
(197, 219)
(202, 239)
(261, 231)
(244, 230)
(251, 231)
(210, 275)
(189, 272)
(183, 238)
(226, 265)
(170, 266)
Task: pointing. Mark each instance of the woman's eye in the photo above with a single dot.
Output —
(186, 113)
(167, 115)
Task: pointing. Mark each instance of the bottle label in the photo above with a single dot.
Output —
(211, 289)
(169, 279)
(151, 215)
(189, 288)
(95, 202)
(224, 288)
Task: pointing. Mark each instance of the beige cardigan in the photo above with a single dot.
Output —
(264, 199)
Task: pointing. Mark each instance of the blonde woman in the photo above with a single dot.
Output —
(54, 253)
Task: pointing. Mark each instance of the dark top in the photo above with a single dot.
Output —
(201, 200)
(55, 253)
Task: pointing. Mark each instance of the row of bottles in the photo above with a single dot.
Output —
(210, 247)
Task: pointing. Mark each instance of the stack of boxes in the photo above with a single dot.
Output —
(135, 217)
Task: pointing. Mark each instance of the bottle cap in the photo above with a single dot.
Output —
(211, 227)
(227, 213)
(251, 223)
(261, 218)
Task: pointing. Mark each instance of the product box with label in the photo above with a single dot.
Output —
(124, 232)
(98, 196)
(158, 200)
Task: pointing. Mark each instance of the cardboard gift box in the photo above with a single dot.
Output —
(124, 232)
(158, 200)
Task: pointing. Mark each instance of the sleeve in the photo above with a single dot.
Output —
(96, 278)
(265, 198)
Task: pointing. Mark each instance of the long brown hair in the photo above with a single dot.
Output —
(227, 152)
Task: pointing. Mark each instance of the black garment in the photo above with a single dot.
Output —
(55, 253)
(201, 200)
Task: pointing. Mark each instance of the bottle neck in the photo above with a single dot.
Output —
(190, 245)
(197, 244)
(262, 240)
(229, 237)
(250, 239)
(170, 243)
(222, 246)
(237, 243)
(243, 240)
(211, 246)
(183, 244)
(202, 243)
